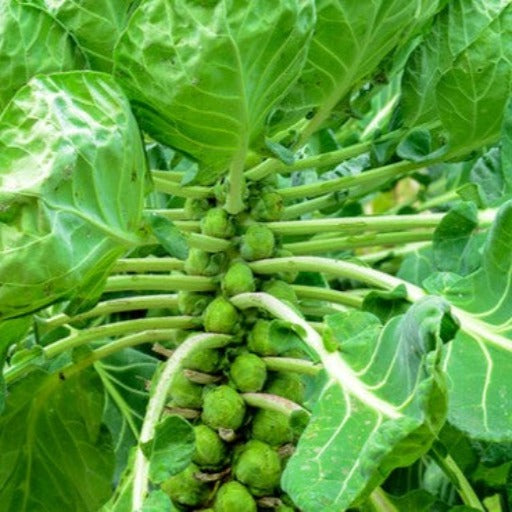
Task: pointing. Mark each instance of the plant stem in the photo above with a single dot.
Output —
(337, 268)
(114, 306)
(175, 189)
(356, 224)
(169, 213)
(310, 206)
(461, 483)
(396, 252)
(323, 187)
(273, 165)
(208, 243)
(167, 175)
(162, 283)
(236, 179)
(441, 199)
(329, 295)
(380, 501)
(151, 264)
(290, 364)
(334, 365)
(350, 242)
(118, 328)
(157, 403)
(272, 403)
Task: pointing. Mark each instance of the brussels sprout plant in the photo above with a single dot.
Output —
(256, 255)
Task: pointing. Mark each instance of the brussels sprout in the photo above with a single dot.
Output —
(185, 393)
(258, 243)
(280, 290)
(259, 339)
(271, 427)
(202, 263)
(284, 508)
(234, 497)
(195, 209)
(291, 275)
(191, 303)
(206, 360)
(217, 223)
(185, 489)
(288, 385)
(210, 450)
(221, 316)
(248, 372)
(223, 407)
(268, 207)
(238, 279)
(258, 466)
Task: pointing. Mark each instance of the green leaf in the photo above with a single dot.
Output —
(71, 188)
(171, 449)
(96, 25)
(169, 236)
(481, 398)
(31, 42)
(386, 414)
(203, 76)
(56, 457)
(158, 501)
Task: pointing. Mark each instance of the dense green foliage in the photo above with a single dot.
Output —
(256, 256)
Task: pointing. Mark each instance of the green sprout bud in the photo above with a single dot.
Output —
(268, 207)
(195, 209)
(234, 497)
(280, 290)
(291, 275)
(238, 279)
(248, 373)
(185, 393)
(210, 451)
(217, 223)
(206, 360)
(185, 489)
(258, 340)
(257, 243)
(191, 303)
(202, 263)
(224, 408)
(221, 316)
(288, 385)
(271, 427)
(258, 466)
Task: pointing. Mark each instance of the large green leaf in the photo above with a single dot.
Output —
(31, 42)
(385, 413)
(351, 39)
(56, 457)
(479, 360)
(96, 25)
(71, 188)
(204, 75)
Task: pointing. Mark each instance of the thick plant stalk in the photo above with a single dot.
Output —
(157, 403)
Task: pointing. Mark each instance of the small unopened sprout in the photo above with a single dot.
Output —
(248, 373)
(205, 360)
(238, 279)
(290, 275)
(258, 340)
(258, 466)
(268, 207)
(191, 303)
(210, 451)
(185, 393)
(221, 316)
(271, 427)
(202, 263)
(280, 290)
(223, 407)
(185, 489)
(217, 223)
(288, 385)
(234, 497)
(195, 209)
(257, 243)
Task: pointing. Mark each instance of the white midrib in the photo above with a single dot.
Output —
(337, 369)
